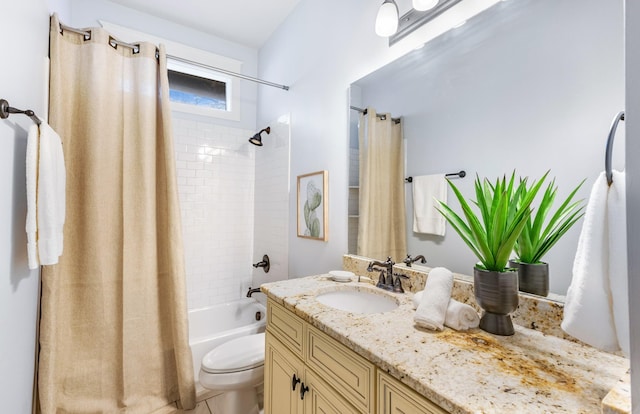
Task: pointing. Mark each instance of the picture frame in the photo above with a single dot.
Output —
(313, 205)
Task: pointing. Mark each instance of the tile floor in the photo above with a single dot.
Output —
(209, 403)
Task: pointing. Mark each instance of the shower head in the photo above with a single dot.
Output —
(257, 138)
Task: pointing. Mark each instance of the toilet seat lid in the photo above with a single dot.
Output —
(238, 354)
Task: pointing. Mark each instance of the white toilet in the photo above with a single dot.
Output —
(237, 368)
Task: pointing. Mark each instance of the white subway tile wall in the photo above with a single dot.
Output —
(271, 231)
(216, 172)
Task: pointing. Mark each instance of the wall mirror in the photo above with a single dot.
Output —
(527, 85)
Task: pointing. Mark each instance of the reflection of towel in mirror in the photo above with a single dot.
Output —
(596, 310)
(426, 190)
(459, 316)
(432, 310)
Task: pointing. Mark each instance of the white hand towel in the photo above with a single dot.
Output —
(32, 190)
(426, 190)
(460, 316)
(596, 307)
(432, 310)
(618, 273)
(51, 196)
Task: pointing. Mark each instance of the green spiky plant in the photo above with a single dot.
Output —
(504, 212)
(536, 238)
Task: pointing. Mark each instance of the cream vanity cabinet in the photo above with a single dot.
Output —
(306, 371)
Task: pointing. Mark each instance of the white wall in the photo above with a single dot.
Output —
(477, 100)
(23, 82)
(319, 50)
(632, 111)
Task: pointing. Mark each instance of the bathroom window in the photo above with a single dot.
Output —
(195, 90)
(201, 90)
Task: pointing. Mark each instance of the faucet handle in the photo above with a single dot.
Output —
(397, 283)
(381, 279)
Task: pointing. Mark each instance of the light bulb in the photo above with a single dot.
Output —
(387, 19)
(422, 5)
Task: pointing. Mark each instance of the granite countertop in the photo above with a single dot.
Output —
(463, 372)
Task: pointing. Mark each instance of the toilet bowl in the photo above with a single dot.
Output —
(237, 369)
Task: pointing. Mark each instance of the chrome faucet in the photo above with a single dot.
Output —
(408, 260)
(387, 283)
(252, 291)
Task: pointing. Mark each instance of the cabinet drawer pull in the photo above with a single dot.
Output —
(303, 389)
(294, 382)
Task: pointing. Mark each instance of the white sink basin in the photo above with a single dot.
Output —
(357, 301)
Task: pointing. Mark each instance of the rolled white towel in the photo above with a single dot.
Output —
(459, 316)
(432, 309)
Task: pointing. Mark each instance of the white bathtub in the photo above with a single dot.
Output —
(215, 325)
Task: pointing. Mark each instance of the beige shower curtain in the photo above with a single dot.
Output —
(114, 334)
(381, 225)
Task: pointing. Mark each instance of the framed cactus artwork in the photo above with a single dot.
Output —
(313, 205)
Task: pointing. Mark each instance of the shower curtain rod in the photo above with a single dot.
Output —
(114, 42)
(381, 116)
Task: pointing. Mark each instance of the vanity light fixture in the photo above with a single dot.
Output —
(387, 19)
(422, 5)
(414, 19)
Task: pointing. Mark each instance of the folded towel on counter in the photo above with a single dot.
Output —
(459, 316)
(596, 309)
(432, 310)
(426, 190)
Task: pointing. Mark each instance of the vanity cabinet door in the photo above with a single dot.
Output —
(282, 370)
(322, 399)
(287, 327)
(348, 373)
(396, 398)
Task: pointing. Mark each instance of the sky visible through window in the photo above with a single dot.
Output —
(194, 90)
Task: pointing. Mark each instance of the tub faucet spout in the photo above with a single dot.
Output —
(252, 291)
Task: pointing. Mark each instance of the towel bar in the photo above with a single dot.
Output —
(5, 110)
(460, 174)
(609, 150)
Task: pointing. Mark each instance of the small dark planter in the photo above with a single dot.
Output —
(532, 277)
(497, 295)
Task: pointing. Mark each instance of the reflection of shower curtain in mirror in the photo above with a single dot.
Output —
(114, 334)
(381, 225)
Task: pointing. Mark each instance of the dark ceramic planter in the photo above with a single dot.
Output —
(497, 294)
(532, 277)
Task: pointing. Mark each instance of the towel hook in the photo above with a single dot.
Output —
(609, 150)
